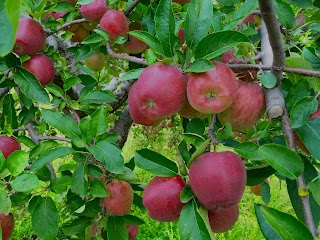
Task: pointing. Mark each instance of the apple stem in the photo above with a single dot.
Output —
(211, 133)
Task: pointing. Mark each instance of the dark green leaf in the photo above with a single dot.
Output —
(78, 225)
(96, 97)
(248, 150)
(116, 228)
(242, 12)
(186, 195)
(16, 162)
(196, 126)
(70, 82)
(284, 13)
(25, 182)
(133, 220)
(298, 91)
(79, 184)
(149, 39)
(132, 74)
(93, 38)
(311, 56)
(301, 110)
(64, 6)
(61, 184)
(315, 189)
(42, 148)
(265, 193)
(303, 3)
(200, 150)
(97, 189)
(82, 53)
(200, 65)
(102, 33)
(268, 80)
(257, 175)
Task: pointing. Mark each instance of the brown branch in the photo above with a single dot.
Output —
(132, 6)
(81, 20)
(124, 56)
(211, 133)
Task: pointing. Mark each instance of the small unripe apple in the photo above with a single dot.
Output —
(161, 90)
(212, 91)
(96, 61)
(30, 37)
(89, 25)
(247, 108)
(223, 219)
(42, 68)
(7, 225)
(134, 45)
(79, 34)
(8, 145)
(94, 11)
(161, 197)
(256, 190)
(120, 198)
(132, 231)
(115, 23)
(218, 179)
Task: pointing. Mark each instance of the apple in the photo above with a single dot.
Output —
(136, 114)
(96, 61)
(223, 219)
(94, 11)
(161, 197)
(132, 231)
(55, 15)
(115, 23)
(7, 225)
(102, 178)
(134, 45)
(299, 21)
(42, 67)
(189, 112)
(30, 37)
(256, 190)
(212, 91)
(247, 108)
(79, 34)
(89, 25)
(8, 145)
(181, 36)
(161, 91)
(120, 198)
(218, 179)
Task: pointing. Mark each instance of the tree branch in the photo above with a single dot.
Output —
(132, 6)
(81, 20)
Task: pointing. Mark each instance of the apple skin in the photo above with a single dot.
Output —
(8, 145)
(120, 198)
(161, 197)
(94, 11)
(161, 90)
(212, 91)
(79, 34)
(256, 190)
(7, 225)
(134, 45)
(133, 231)
(96, 61)
(115, 23)
(223, 219)
(189, 112)
(136, 114)
(218, 179)
(181, 36)
(42, 67)
(247, 109)
(30, 37)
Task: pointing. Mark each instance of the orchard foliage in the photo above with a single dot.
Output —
(65, 115)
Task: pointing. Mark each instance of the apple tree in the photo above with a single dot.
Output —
(242, 77)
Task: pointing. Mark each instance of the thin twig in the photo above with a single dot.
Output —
(62, 139)
(19, 129)
(132, 6)
(81, 20)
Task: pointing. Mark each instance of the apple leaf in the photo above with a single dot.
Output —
(286, 226)
(93, 38)
(61, 184)
(298, 91)
(64, 6)
(306, 4)
(9, 112)
(133, 220)
(16, 162)
(257, 175)
(284, 160)
(268, 80)
(186, 195)
(285, 13)
(76, 226)
(96, 97)
(132, 74)
(25, 182)
(198, 21)
(215, 44)
(301, 110)
(84, 1)
(248, 150)
(79, 183)
(98, 123)
(103, 33)
(265, 193)
(315, 189)
(82, 53)
(97, 189)
(70, 82)
(155, 163)
(2, 161)
(116, 228)
(200, 65)
(200, 150)
(310, 54)
(149, 39)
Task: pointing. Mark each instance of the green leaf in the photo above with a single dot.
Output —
(82, 53)
(97, 97)
(191, 225)
(215, 44)
(30, 86)
(155, 163)
(314, 187)
(98, 123)
(70, 82)
(200, 150)
(268, 80)
(109, 155)
(42, 148)
(257, 175)
(296, 62)
(149, 39)
(198, 21)
(103, 33)
(3, 201)
(16, 162)
(133, 220)
(93, 38)
(265, 193)
(64, 6)
(286, 225)
(310, 54)
(200, 65)
(186, 195)
(303, 3)
(79, 183)
(97, 189)
(77, 226)
(301, 110)
(45, 219)
(248, 150)
(165, 27)
(9, 111)
(196, 126)
(54, 89)
(127, 176)
(283, 159)
(285, 13)
(61, 184)
(243, 11)
(116, 228)
(298, 91)
(2, 161)
(132, 74)
(25, 182)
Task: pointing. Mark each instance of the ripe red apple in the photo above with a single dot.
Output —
(218, 179)
(8, 145)
(30, 37)
(42, 67)
(161, 90)
(247, 108)
(256, 190)
(212, 91)
(161, 197)
(136, 114)
(132, 231)
(120, 198)
(94, 11)
(134, 45)
(223, 219)
(79, 34)
(96, 61)
(115, 23)
(181, 36)
(7, 225)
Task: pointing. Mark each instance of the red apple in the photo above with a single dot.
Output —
(96, 61)
(120, 198)
(218, 179)
(30, 37)
(42, 67)
(115, 23)
(161, 197)
(8, 145)
(181, 36)
(189, 112)
(7, 225)
(79, 34)
(132, 231)
(161, 90)
(94, 11)
(247, 109)
(134, 45)
(223, 219)
(212, 91)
